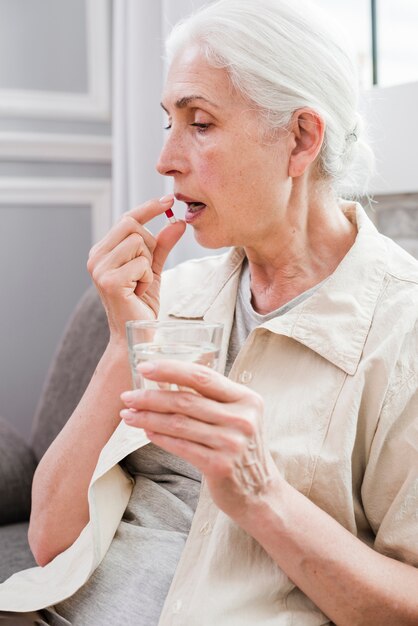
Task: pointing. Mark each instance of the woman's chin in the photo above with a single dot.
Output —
(209, 240)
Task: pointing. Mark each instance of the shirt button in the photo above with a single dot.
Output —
(206, 528)
(177, 605)
(245, 377)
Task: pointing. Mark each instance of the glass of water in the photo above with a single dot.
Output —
(181, 340)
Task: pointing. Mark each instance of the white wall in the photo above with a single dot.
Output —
(393, 121)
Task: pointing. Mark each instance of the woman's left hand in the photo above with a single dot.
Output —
(216, 426)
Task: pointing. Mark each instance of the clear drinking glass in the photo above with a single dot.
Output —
(182, 340)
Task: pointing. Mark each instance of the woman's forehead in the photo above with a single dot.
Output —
(192, 81)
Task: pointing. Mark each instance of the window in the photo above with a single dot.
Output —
(383, 36)
(397, 41)
(354, 18)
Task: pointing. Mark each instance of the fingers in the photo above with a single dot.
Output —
(126, 279)
(131, 247)
(125, 227)
(166, 240)
(191, 405)
(196, 454)
(126, 264)
(148, 210)
(132, 223)
(126, 267)
(186, 428)
(201, 379)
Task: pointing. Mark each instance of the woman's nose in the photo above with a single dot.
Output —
(170, 161)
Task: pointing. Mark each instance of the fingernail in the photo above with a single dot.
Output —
(128, 396)
(127, 415)
(166, 199)
(145, 368)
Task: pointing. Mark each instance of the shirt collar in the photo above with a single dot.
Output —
(196, 303)
(334, 321)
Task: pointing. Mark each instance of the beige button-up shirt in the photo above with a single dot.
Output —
(339, 375)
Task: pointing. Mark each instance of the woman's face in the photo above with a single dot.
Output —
(220, 158)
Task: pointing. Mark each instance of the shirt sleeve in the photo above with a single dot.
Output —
(390, 485)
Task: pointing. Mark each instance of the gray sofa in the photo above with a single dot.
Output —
(82, 345)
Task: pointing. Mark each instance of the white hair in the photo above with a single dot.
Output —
(284, 55)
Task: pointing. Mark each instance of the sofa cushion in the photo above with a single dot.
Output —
(82, 345)
(17, 466)
(14, 550)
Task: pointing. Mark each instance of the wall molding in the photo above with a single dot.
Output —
(95, 193)
(93, 105)
(28, 146)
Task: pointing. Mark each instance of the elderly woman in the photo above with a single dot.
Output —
(308, 449)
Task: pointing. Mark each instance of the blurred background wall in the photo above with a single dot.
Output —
(55, 179)
(80, 131)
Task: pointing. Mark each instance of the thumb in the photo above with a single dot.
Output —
(166, 240)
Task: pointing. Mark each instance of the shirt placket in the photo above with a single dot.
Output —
(180, 600)
(180, 595)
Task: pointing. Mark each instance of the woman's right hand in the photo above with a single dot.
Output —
(126, 265)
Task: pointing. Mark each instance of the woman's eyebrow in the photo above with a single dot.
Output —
(185, 101)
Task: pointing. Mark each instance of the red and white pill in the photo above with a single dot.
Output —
(170, 215)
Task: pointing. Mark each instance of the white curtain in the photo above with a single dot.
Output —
(139, 31)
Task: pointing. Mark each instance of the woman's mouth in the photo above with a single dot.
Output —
(194, 209)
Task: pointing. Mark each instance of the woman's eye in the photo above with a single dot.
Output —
(200, 126)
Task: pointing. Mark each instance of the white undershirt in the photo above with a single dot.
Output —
(246, 318)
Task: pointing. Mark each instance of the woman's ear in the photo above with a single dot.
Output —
(307, 129)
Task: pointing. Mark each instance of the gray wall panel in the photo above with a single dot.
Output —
(47, 36)
(43, 252)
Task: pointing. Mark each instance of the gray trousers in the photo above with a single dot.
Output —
(46, 617)
(21, 619)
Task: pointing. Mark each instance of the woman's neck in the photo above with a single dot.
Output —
(299, 254)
